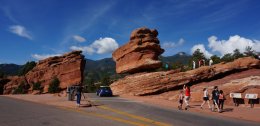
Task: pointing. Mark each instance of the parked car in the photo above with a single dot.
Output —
(104, 91)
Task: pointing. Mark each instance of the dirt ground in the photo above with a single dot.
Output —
(242, 112)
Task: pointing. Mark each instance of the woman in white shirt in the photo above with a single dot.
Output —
(205, 98)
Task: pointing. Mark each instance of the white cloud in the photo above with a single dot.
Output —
(173, 44)
(202, 49)
(100, 46)
(44, 56)
(234, 42)
(20, 31)
(86, 49)
(105, 45)
(79, 38)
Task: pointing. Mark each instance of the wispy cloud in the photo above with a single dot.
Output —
(20, 31)
(83, 22)
(100, 46)
(173, 44)
(8, 14)
(79, 38)
(44, 56)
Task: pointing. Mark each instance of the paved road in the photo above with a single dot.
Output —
(109, 111)
(168, 116)
(21, 113)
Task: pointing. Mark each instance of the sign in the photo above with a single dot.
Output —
(235, 95)
(251, 96)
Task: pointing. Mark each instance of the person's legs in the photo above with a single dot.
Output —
(208, 104)
(202, 104)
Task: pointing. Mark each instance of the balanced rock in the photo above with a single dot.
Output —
(159, 82)
(140, 53)
(68, 68)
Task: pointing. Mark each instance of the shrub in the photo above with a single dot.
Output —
(22, 88)
(54, 86)
(37, 86)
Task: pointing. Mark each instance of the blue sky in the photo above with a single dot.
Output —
(35, 29)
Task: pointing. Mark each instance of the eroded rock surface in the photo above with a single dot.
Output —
(159, 82)
(140, 53)
(68, 68)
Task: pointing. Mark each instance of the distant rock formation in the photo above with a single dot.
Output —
(159, 82)
(68, 68)
(140, 53)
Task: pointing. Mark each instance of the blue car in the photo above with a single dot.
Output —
(104, 91)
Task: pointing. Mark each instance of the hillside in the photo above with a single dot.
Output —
(10, 69)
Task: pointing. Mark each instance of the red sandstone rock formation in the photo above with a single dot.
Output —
(140, 53)
(68, 68)
(159, 82)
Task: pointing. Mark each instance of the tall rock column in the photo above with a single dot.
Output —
(140, 53)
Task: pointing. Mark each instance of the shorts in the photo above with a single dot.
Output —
(181, 101)
(205, 98)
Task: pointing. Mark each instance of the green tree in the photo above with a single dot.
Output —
(2, 74)
(37, 86)
(196, 56)
(22, 88)
(215, 59)
(26, 68)
(250, 52)
(105, 80)
(237, 54)
(227, 58)
(54, 86)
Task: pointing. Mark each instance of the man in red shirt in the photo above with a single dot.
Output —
(187, 96)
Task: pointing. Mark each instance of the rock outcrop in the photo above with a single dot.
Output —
(68, 68)
(140, 53)
(158, 82)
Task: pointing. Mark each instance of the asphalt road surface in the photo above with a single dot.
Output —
(108, 111)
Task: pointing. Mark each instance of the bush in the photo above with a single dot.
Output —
(26, 68)
(22, 88)
(37, 86)
(54, 86)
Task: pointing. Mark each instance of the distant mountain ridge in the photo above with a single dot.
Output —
(10, 69)
(97, 69)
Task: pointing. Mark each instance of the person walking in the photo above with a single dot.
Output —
(187, 96)
(205, 98)
(193, 64)
(221, 99)
(180, 100)
(215, 96)
(79, 94)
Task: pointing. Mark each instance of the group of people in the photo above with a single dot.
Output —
(217, 97)
(201, 62)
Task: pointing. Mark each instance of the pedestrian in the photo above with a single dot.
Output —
(180, 100)
(187, 96)
(215, 96)
(210, 62)
(205, 98)
(79, 94)
(221, 99)
(193, 64)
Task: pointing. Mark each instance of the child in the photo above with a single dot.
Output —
(205, 98)
(221, 99)
(181, 96)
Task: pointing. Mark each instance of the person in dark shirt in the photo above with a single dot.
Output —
(78, 94)
(215, 98)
